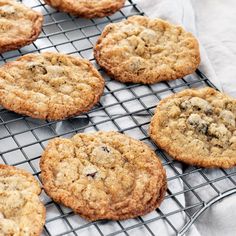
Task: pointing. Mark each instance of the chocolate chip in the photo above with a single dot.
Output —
(203, 128)
(198, 123)
(209, 112)
(38, 69)
(105, 149)
(60, 62)
(92, 174)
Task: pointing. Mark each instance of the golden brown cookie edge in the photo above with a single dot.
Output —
(18, 43)
(23, 107)
(12, 170)
(177, 154)
(125, 77)
(88, 12)
(68, 201)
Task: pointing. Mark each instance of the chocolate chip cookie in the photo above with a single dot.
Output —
(103, 175)
(21, 212)
(49, 86)
(143, 50)
(197, 127)
(87, 9)
(19, 25)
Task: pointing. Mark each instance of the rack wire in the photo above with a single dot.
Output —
(126, 108)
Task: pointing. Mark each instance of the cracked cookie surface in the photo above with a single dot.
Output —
(142, 50)
(21, 212)
(197, 127)
(87, 8)
(19, 25)
(103, 175)
(50, 86)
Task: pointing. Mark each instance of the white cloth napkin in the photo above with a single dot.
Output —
(213, 22)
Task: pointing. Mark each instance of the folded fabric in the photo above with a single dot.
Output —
(212, 22)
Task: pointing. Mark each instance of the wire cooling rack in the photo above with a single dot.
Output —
(127, 108)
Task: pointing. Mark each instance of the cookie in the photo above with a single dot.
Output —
(197, 127)
(19, 25)
(50, 86)
(142, 50)
(103, 175)
(87, 9)
(21, 212)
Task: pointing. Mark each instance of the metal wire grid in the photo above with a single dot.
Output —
(127, 108)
